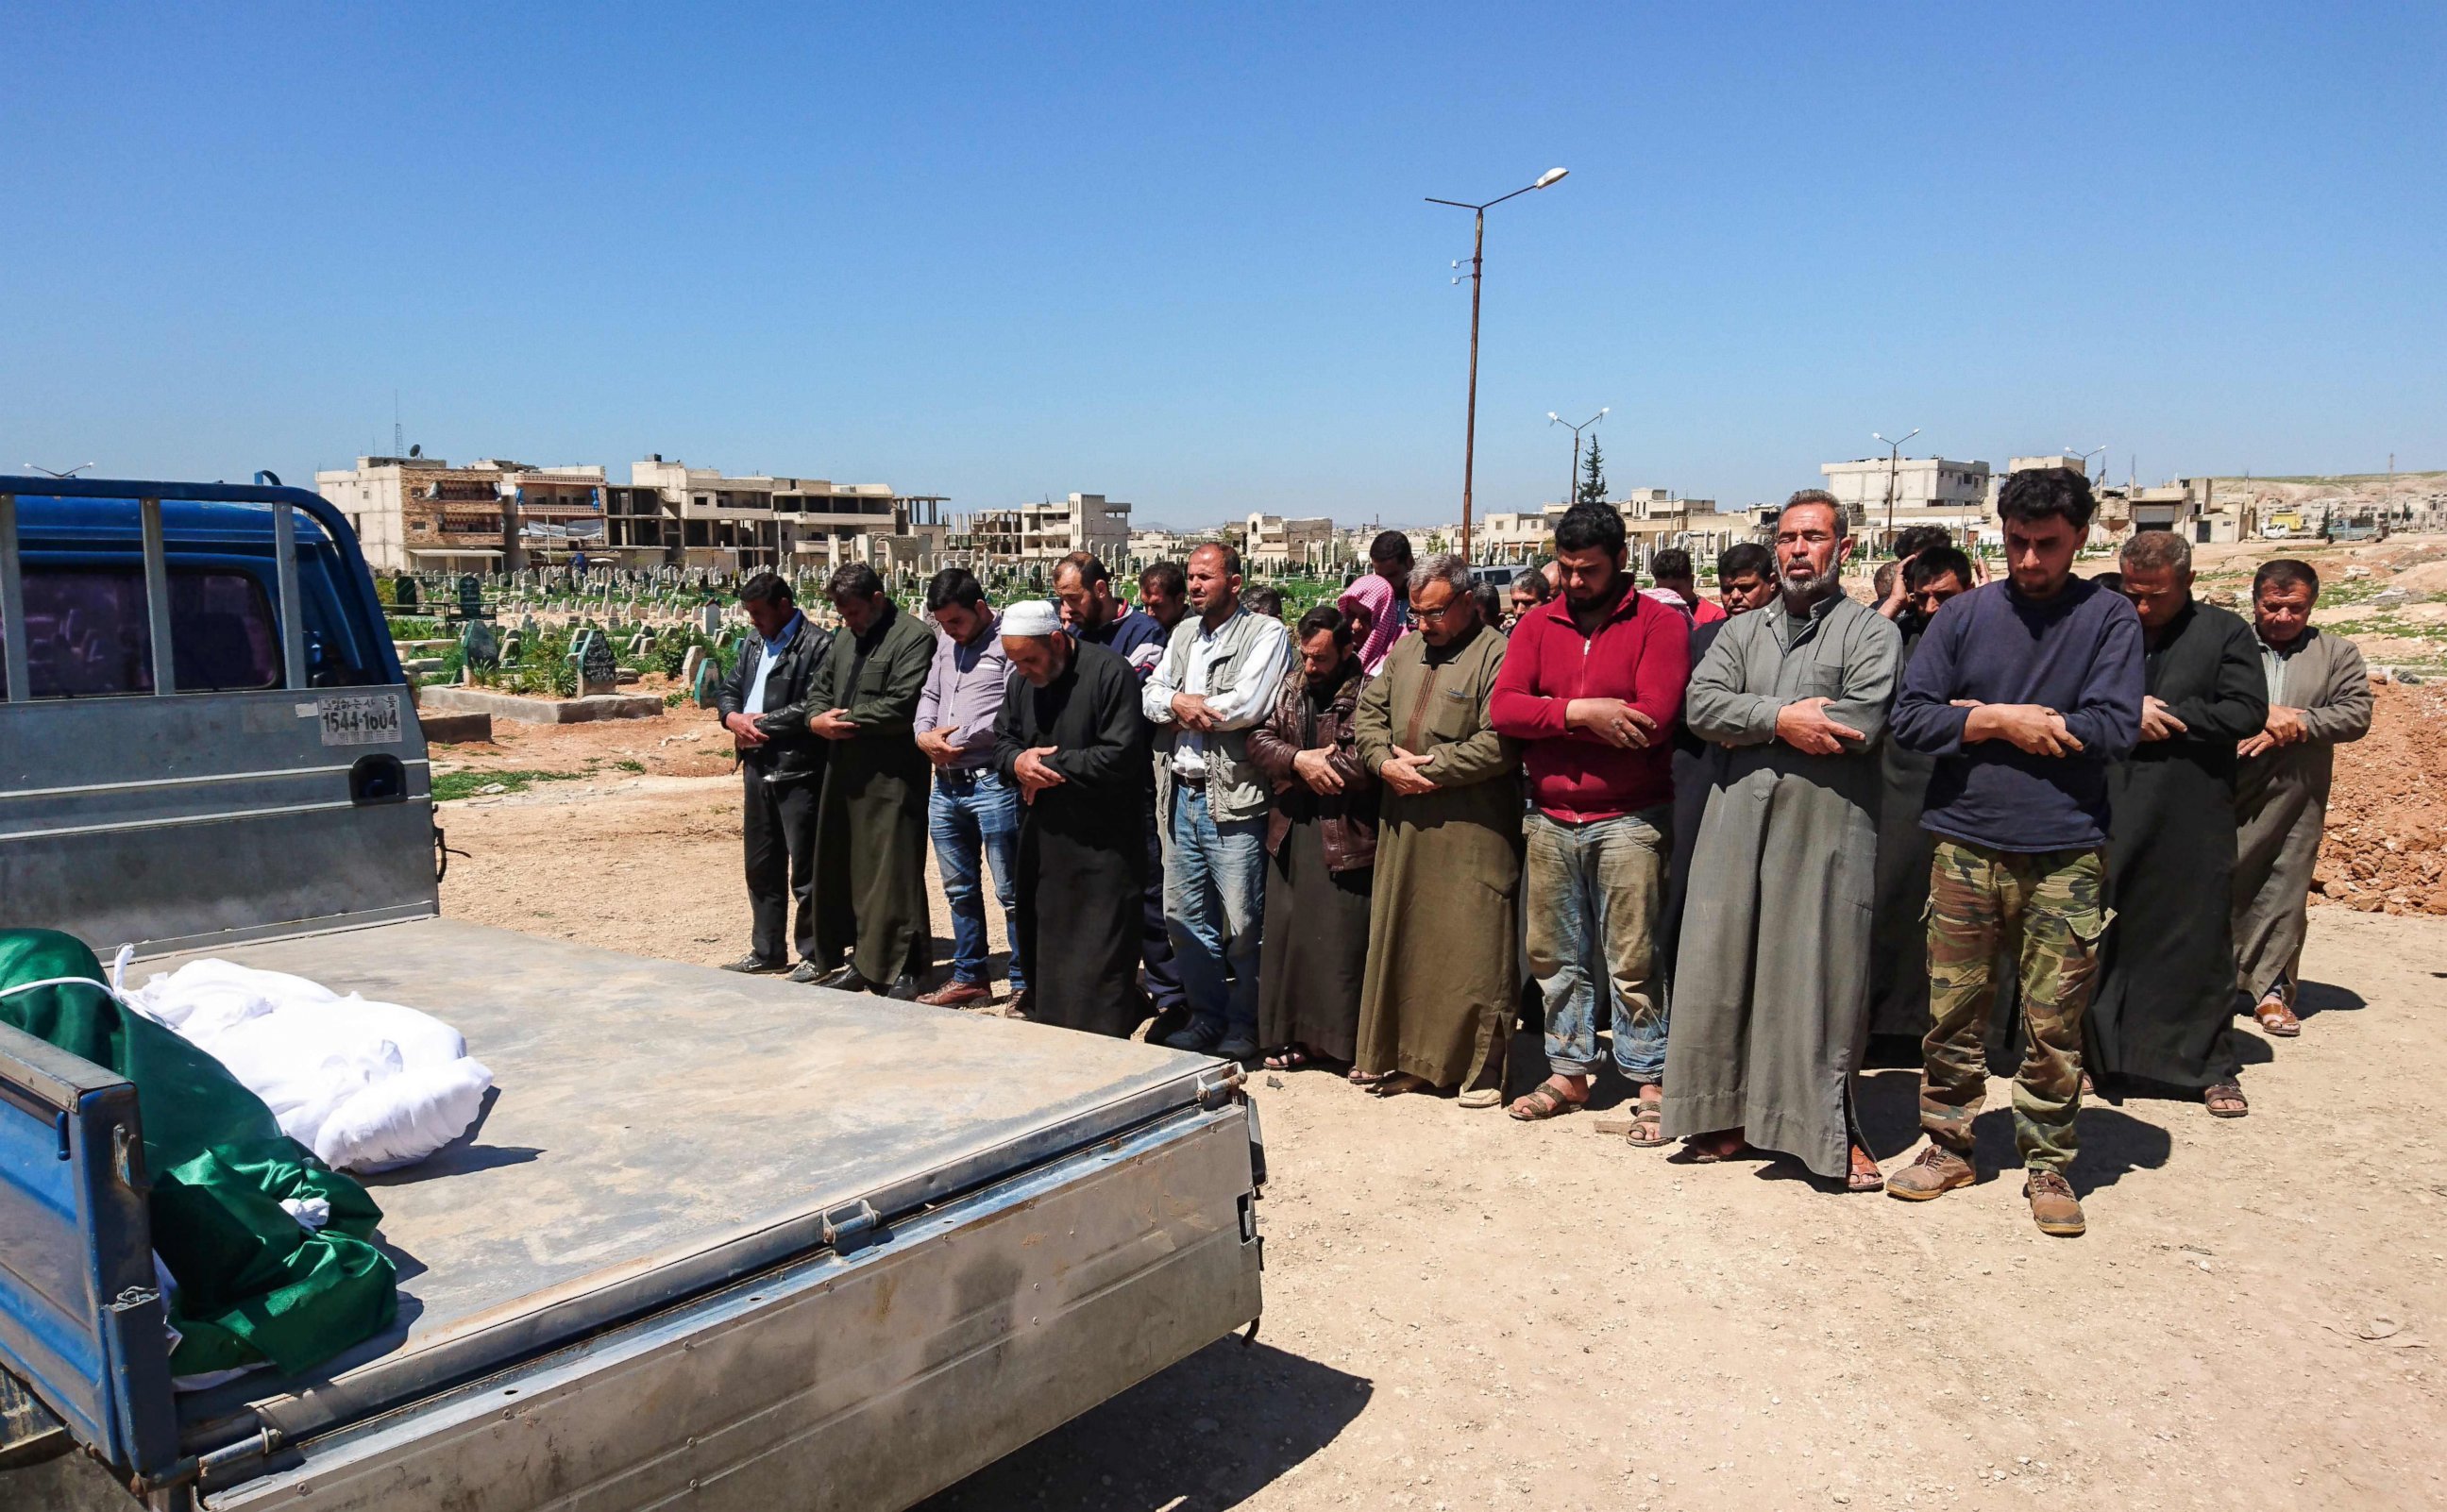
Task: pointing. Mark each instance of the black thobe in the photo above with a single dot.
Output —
(1083, 861)
(1899, 925)
(2165, 1006)
(1696, 765)
(871, 821)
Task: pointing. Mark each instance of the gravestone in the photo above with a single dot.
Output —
(689, 664)
(471, 598)
(701, 686)
(711, 620)
(482, 647)
(597, 671)
(513, 647)
(404, 593)
(640, 642)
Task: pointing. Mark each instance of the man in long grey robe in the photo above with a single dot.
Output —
(1771, 1007)
(2318, 696)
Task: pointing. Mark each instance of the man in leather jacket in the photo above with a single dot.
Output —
(782, 772)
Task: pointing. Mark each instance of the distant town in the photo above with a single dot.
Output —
(416, 514)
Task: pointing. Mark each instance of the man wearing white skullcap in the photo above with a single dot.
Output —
(1071, 739)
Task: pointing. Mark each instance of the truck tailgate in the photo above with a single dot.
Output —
(660, 1130)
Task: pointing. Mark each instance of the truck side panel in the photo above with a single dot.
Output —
(860, 1382)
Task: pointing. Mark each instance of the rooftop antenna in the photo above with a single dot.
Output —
(82, 465)
(398, 433)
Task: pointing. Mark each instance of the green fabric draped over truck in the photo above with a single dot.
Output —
(252, 1283)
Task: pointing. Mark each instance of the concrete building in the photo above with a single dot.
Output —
(1927, 491)
(1273, 543)
(420, 514)
(674, 515)
(1049, 531)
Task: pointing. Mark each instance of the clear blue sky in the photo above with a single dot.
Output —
(1180, 256)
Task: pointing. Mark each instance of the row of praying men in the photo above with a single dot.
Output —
(2061, 825)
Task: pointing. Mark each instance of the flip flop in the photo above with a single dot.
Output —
(1545, 1101)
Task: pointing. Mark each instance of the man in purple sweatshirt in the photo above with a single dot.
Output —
(2026, 691)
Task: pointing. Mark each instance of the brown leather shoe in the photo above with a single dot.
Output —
(2053, 1204)
(956, 993)
(1936, 1172)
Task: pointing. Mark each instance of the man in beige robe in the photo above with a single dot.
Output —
(1437, 1002)
(2319, 695)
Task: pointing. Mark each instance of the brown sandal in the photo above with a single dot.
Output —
(1399, 1083)
(2225, 1100)
(2276, 1019)
(1644, 1126)
(1864, 1175)
(1713, 1149)
(1549, 1099)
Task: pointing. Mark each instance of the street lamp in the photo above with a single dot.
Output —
(1573, 482)
(2085, 457)
(1894, 450)
(1477, 258)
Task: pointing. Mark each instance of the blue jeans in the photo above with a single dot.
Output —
(1594, 894)
(970, 811)
(1214, 901)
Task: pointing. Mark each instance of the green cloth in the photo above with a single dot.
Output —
(253, 1285)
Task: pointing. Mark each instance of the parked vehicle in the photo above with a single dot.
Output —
(717, 1239)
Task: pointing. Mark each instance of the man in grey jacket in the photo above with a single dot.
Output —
(1219, 675)
(2318, 697)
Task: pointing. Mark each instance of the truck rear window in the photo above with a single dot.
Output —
(88, 632)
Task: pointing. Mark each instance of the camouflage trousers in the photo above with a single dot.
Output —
(2044, 912)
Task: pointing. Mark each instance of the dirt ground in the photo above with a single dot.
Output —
(1463, 1311)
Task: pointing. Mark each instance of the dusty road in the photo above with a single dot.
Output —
(1463, 1311)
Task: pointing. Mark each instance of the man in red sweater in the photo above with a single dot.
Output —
(1592, 684)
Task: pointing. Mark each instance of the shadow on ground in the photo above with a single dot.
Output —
(1208, 1433)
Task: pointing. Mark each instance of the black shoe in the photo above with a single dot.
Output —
(1201, 1036)
(754, 965)
(905, 988)
(806, 972)
(1239, 1048)
(844, 978)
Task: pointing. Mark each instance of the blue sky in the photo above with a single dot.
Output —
(1179, 254)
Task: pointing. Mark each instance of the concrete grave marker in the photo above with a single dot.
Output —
(710, 619)
(482, 646)
(597, 671)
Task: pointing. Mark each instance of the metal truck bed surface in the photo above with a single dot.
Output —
(658, 1129)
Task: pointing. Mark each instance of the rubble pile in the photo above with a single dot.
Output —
(2387, 828)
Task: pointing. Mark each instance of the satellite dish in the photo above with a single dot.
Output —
(417, 451)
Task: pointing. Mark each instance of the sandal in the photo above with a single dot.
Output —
(1549, 1099)
(1398, 1083)
(1290, 1058)
(2225, 1100)
(1864, 1175)
(2276, 1019)
(1363, 1080)
(1644, 1127)
(1715, 1149)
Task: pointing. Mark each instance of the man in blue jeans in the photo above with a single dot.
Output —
(1221, 673)
(973, 809)
(1592, 685)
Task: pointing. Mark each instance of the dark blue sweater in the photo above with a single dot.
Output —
(2078, 653)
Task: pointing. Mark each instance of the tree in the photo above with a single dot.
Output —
(1593, 483)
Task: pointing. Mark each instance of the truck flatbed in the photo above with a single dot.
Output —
(657, 1128)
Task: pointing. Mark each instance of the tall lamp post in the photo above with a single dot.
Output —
(2085, 457)
(1573, 482)
(1477, 256)
(1894, 450)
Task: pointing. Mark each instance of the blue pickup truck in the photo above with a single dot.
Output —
(717, 1241)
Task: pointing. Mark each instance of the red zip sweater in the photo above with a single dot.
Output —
(1642, 654)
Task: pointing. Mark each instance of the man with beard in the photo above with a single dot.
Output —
(1764, 1044)
(781, 768)
(1321, 839)
(2318, 697)
(1592, 687)
(2025, 692)
(1071, 739)
(1899, 937)
(1435, 1009)
(2165, 1010)
(1094, 618)
(871, 825)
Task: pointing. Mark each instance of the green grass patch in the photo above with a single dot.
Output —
(627, 766)
(449, 785)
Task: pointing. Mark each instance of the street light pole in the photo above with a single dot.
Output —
(1572, 483)
(1894, 450)
(1478, 259)
(2085, 462)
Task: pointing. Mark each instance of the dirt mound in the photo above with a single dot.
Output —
(2386, 827)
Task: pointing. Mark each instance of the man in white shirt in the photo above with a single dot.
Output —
(1221, 673)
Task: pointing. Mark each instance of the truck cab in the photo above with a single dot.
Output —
(713, 1237)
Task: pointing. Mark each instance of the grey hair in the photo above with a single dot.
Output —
(1442, 566)
(2154, 549)
(1820, 496)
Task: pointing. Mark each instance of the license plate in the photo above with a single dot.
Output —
(359, 718)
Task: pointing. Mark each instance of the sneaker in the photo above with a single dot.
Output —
(1938, 1171)
(957, 993)
(1201, 1036)
(754, 965)
(2053, 1205)
(808, 972)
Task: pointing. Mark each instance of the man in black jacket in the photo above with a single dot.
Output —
(781, 768)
